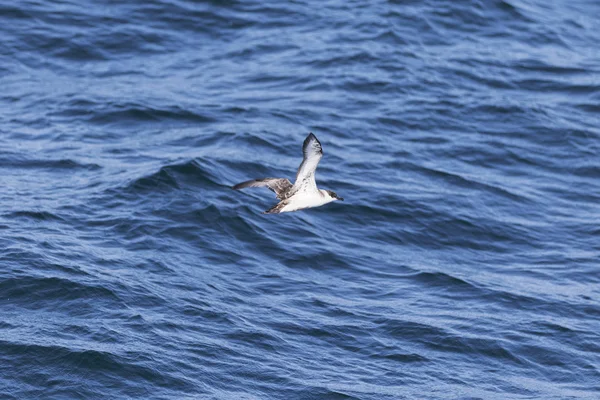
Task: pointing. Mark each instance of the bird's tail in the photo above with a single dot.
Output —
(276, 209)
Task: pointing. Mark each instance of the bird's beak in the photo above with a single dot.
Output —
(340, 198)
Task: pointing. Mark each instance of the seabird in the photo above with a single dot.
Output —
(304, 192)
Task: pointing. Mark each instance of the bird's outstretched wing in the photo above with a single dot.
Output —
(305, 177)
(281, 186)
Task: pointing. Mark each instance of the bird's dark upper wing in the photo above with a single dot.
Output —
(280, 186)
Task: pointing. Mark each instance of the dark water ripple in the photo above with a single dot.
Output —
(464, 137)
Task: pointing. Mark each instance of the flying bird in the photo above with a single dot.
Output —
(304, 192)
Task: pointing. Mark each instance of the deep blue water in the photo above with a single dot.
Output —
(464, 262)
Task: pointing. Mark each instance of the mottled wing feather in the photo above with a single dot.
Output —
(276, 209)
(280, 186)
(305, 177)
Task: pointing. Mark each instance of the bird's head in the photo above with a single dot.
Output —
(331, 194)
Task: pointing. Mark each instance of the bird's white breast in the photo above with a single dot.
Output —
(304, 200)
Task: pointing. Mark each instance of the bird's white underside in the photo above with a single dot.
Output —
(306, 200)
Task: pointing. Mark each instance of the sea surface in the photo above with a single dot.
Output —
(464, 262)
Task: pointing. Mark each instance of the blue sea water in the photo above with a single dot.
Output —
(464, 262)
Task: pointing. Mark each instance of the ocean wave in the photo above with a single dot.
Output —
(119, 114)
(58, 165)
(462, 263)
(55, 292)
(34, 215)
(173, 177)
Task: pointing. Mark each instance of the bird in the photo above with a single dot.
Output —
(304, 192)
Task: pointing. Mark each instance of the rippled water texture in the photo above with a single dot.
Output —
(464, 262)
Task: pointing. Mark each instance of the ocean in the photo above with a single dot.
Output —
(463, 136)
